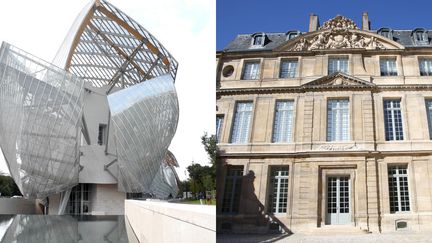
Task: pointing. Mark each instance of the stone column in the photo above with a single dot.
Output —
(373, 204)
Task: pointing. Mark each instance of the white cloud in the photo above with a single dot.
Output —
(185, 27)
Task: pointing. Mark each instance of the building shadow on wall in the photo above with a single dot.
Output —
(253, 223)
(256, 209)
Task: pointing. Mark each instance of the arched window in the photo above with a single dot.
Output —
(420, 36)
(292, 34)
(258, 39)
(386, 32)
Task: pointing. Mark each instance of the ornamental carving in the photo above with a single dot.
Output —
(339, 23)
(337, 39)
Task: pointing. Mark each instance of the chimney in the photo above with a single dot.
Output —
(365, 21)
(313, 22)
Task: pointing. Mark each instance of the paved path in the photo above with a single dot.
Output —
(299, 238)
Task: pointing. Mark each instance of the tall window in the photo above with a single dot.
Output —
(278, 196)
(251, 70)
(398, 188)
(219, 123)
(283, 121)
(337, 64)
(338, 120)
(242, 121)
(429, 116)
(233, 182)
(388, 67)
(425, 66)
(288, 69)
(79, 200)
(102, 135)
(393, 120)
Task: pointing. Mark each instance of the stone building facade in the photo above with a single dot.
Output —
(323, 128)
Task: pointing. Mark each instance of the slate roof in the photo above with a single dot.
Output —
(243, 41)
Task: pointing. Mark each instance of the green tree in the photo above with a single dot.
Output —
(8, 187)
(210, 147)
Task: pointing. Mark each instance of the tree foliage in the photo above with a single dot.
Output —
(203, 178)
(210, 147)
(8, 188)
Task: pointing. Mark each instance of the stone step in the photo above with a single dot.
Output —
(336, 230)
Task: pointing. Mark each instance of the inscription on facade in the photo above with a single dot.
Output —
(334, 147)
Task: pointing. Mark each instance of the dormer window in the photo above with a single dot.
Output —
(386, 32)
(420, 36)
(292, 34)
(258, 39)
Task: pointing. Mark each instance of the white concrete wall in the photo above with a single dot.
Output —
(156, 221)
(17, 206)
(107, 200)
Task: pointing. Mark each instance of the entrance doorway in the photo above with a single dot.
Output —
(338, 210)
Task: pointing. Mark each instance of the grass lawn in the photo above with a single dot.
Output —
(193, 201)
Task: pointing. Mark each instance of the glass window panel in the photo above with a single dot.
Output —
(102, 134)
(251, 70)
(258, 40)
(232, 191)
(398, 188)
(288, 68)
(388, 67)
(338, 120)
(242, 120)
(339, 64)
(425, 66)
(219, 123)
(278, 196)
(429, 116)
(283, 121)
(393, 120)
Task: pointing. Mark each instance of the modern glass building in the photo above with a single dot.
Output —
(93, 127)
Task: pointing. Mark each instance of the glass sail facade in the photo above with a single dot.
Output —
(41, 109)
(142, 139)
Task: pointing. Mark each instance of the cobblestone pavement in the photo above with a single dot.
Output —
(299, 238)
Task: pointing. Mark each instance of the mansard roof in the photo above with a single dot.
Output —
(242, 41)
(275, 41)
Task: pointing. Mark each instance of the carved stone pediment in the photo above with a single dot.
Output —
(337, 39)
(339, 80)
(339, 33)
(339, 23)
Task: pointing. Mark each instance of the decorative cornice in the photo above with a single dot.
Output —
(315, 153)
(305, 89)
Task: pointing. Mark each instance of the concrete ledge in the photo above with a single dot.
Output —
(17, 206)
(159, 221)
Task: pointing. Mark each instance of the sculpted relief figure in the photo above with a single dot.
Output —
(337, 40)
(339, 23)
(337, 34)
(319, 42)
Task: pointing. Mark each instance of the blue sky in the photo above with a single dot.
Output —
(250, 16)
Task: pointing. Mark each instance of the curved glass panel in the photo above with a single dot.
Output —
(145, 119)
(41, 109)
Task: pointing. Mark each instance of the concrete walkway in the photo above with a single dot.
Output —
(299, 238)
